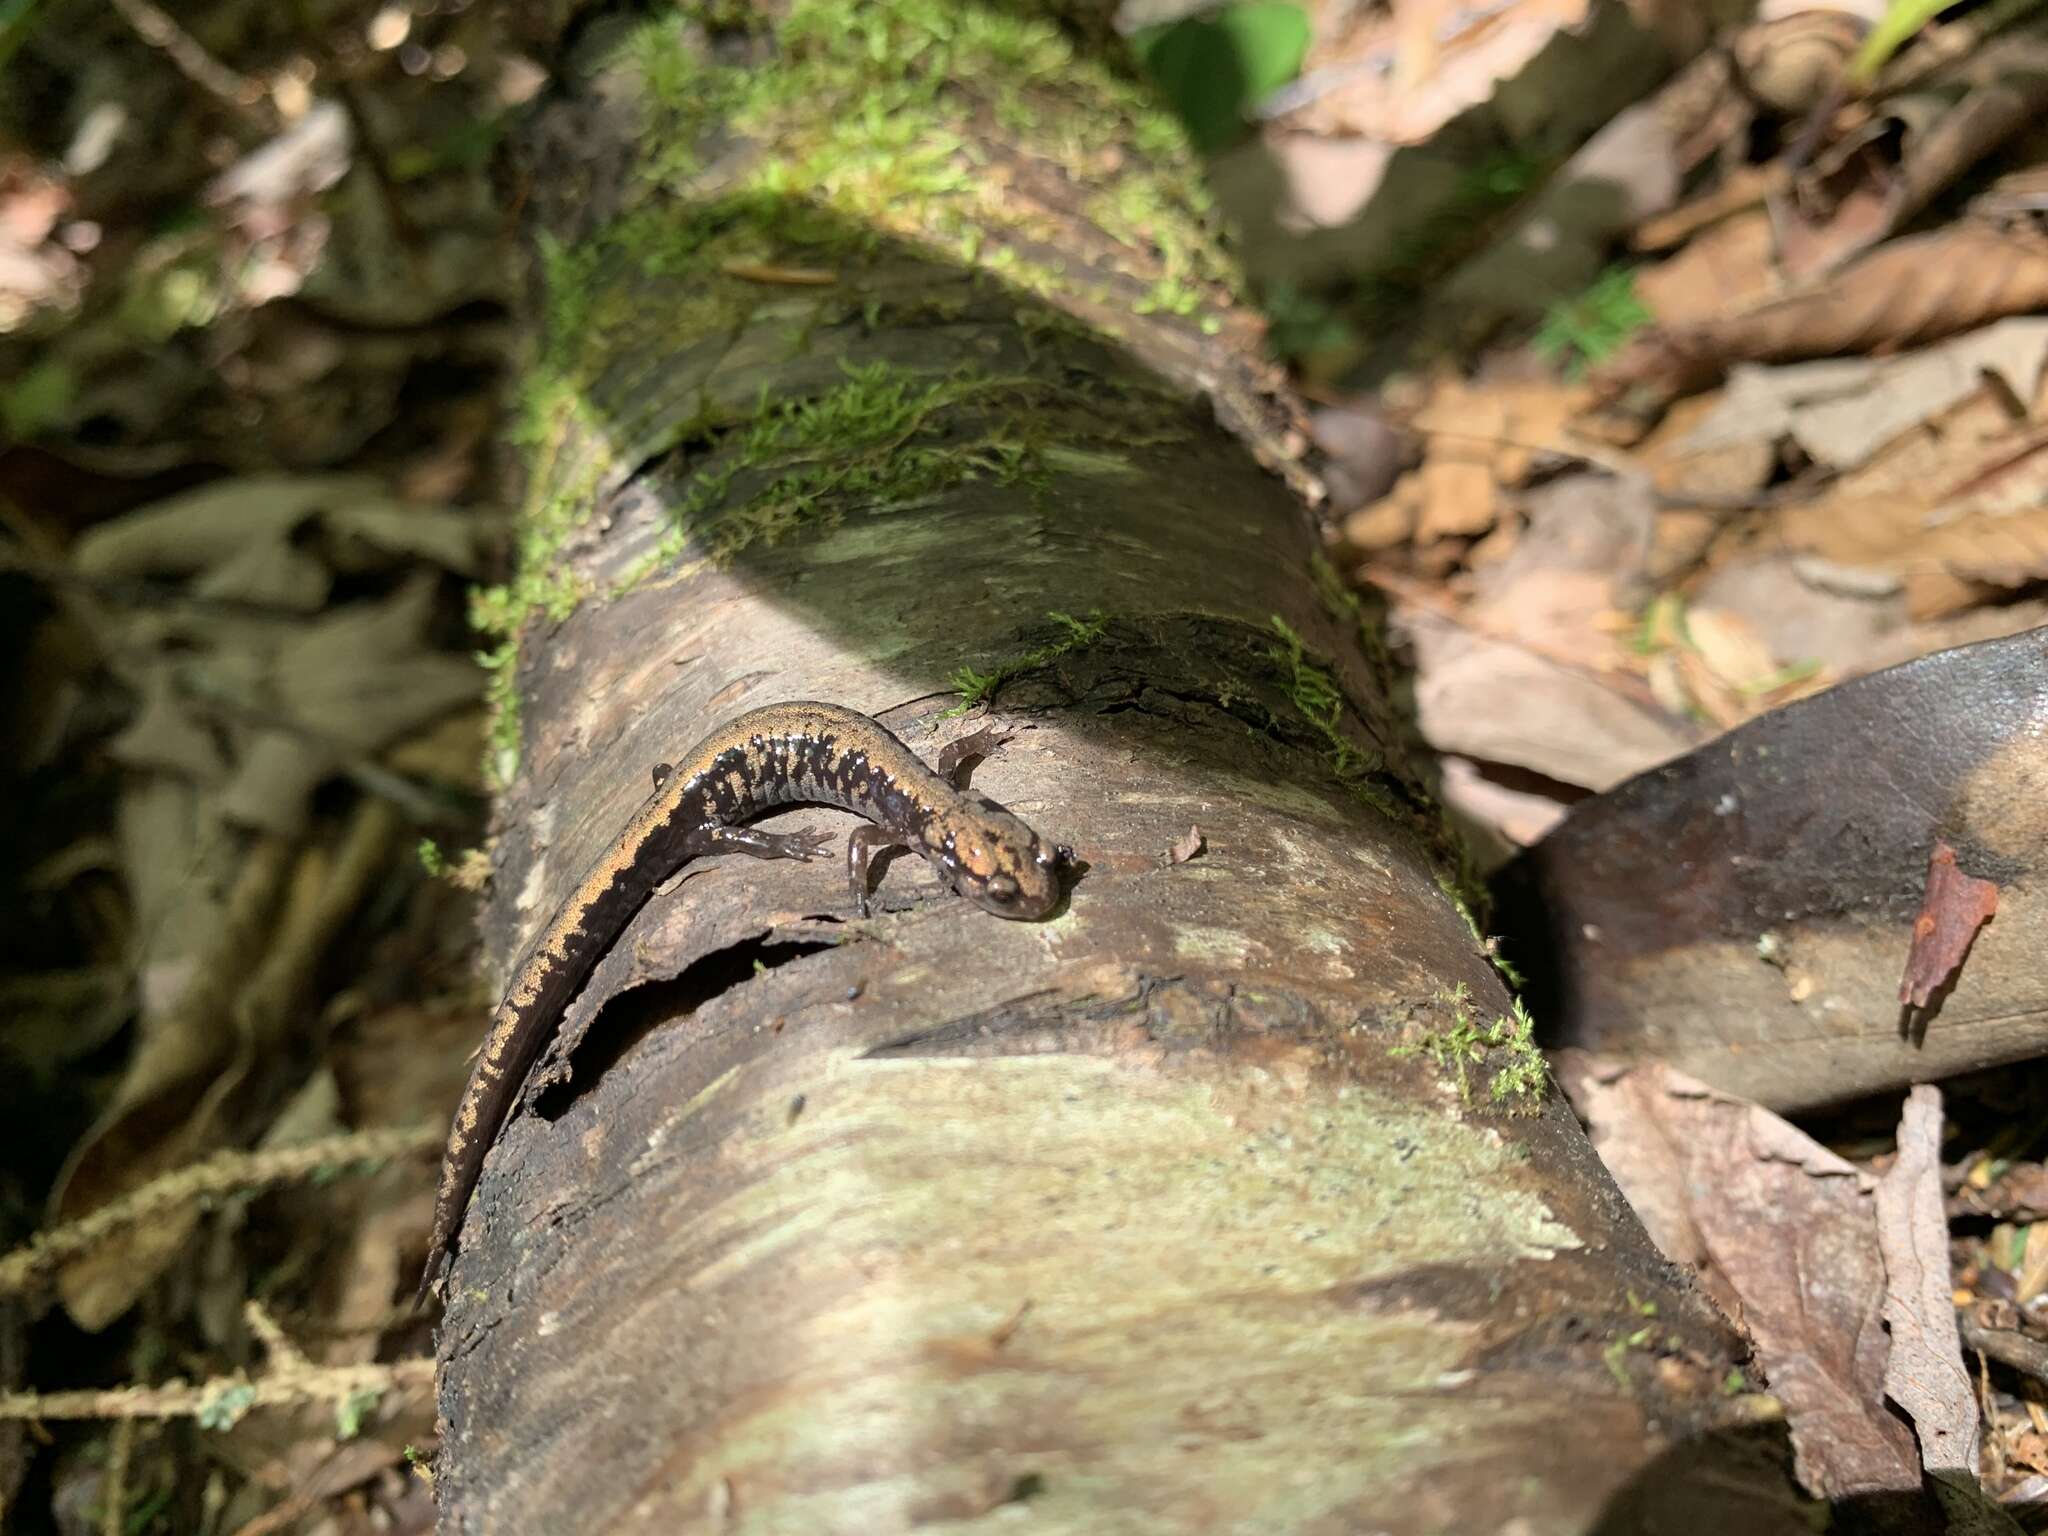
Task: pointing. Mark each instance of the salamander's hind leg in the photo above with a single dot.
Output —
(805, 843)
(863, 843)
(958, 756)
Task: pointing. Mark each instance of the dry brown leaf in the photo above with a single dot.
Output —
(181, 1096)
(1909, 292)
(199, 529)
(2020, 1193)
(2032, 1280)
(1732, 649)
(362, 525)
(167, 1108)
(1924, 1375)
(1844, 412)
(343, 686)
(1495, 547)
(1554, 610)
(1683, 536)
(1790, 61)
(167, 735)
(1725, 269)
(1499, 702)
(1954, 907)
(2029, 1451)
(1949, 509)
(1532, 672)
(1518, 816)
(1733, 195)
(1946, 566)
(1505, 426)
(1667, 685)
(269, 573)
(1683, 467)
(1458, 498)
(1405, 74)
(1785, 1236)
(2008, 87)
(1187, 846)
(1811, 613)
(1945, 634)
(1384, 525)
(36, 271)
(1708, 695)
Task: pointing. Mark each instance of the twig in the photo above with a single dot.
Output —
(157, 29)
(282, 1388)
(114, 1487)
(281, 1350)
(2008, 1346)
(224, 1173)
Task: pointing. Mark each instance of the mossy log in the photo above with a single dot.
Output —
(886, 355)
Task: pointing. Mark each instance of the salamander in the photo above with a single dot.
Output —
(780, 755)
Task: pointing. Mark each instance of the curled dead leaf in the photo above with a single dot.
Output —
(1955, 906)
(1909, 292)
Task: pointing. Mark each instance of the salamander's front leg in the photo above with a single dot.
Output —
(863, 843)
(957, 756)
(806, 843)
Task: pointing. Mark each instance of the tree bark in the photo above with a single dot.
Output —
(877, 368)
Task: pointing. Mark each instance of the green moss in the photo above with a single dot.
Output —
(1457, 885)
(1591, 327)
(223, 1408)
(1615, 1355)
(884, 438)
(568, 462)
(1507, 1045)
(828, 129)
(353, 1409)
(863, 105)
(1319, 701)
(973, 686)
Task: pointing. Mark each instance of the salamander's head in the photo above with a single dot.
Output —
(997, 862)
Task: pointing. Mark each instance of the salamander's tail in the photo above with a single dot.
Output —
(430, 1277)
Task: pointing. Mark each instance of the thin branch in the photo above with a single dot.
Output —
(281, 1350)
(2008, 1346)
(282, 1388)
(156, 28)
(200, 1183)
(114, 1486)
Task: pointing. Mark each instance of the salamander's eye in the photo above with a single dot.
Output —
(1003, 887)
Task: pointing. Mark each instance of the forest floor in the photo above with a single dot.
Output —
(1661, 374)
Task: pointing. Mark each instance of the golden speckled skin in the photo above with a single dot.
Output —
(783, 754)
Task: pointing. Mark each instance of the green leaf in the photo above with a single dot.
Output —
(1593, 326)
(41, 397)
(1901, 19)
(350, 1412)
(1213, 67)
